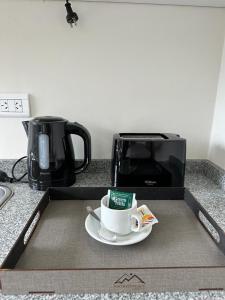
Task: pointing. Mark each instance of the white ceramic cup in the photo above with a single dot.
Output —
(120, 221)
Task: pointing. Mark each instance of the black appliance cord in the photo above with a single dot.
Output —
(13, 169)
(5, 178)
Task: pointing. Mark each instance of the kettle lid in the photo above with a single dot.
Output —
(47, 119)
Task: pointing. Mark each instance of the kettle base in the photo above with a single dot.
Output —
(38, 186)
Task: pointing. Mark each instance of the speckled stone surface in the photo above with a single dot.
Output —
(205, 180)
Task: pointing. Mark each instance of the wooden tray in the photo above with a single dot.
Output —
(54, 253)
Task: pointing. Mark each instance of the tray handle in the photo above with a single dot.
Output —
(31, 228)
(33, 222)
(21, 243)
(216, 233)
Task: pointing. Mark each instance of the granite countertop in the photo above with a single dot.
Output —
(205, 180)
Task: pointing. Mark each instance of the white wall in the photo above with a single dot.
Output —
(124, 68)
(217, 143)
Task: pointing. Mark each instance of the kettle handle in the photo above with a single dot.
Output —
(78, 129)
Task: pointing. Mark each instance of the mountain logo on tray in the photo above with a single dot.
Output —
(129, 280)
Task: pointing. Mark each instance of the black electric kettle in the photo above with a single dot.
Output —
(50, 158)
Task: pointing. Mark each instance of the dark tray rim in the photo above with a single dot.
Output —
(95, 193)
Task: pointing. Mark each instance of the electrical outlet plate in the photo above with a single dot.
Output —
(14, 105)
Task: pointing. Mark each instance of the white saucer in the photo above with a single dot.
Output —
(92, 227)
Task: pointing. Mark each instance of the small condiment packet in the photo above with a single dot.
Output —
(147, 216)
(120, 200)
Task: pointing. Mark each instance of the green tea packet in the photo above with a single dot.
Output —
(120, 200)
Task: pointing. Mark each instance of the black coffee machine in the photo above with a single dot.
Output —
(51, 160)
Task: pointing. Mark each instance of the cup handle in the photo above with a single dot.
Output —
(136, 223)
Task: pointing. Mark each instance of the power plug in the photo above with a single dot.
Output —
(5, 178)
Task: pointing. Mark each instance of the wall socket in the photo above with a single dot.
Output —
(14, 105)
